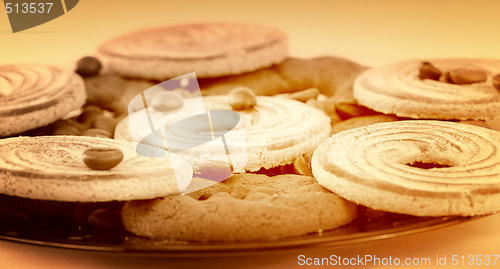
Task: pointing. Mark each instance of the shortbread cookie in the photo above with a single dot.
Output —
(361, 121)
(208, 49)
(33, 96)
(244, 207)
(423, 168)
(113, 92)
(273, 133)
(397, 89)
(51, 168)
(333, 76)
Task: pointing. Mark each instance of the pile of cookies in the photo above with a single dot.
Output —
(323, 139)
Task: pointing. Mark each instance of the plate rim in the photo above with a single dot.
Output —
(223, 249)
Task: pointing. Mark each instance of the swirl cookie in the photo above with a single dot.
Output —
(397, 89)
(244, 207)
(208, 49)
(33, 96)
(51, 168)
(274, 132)
(423, 168)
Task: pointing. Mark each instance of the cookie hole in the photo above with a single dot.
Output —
(427, 165)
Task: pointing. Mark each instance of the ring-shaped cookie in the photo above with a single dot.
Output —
(375, 166)
(274, 132)
(397, 89)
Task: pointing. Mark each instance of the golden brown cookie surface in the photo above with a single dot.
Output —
(331, 75)
(244, 207)
(113, 92)
(209, 49)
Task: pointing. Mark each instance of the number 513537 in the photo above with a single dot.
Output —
(28, 7)
(474, 259)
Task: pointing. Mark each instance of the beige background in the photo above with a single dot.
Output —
(372, 32)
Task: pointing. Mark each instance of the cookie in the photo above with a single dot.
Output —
(490, 124)
(113, 92)
(361, 121)
(333, 76)
(244, 207)
(398, 89)
(208, 49)
(51, 168)
(422, 168)
(33, 96)
(273, 133)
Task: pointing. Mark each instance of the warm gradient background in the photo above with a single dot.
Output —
(372, 32)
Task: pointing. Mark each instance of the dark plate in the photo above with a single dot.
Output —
(64, 234)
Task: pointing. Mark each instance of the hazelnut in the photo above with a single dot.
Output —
(242, 98)
(428, 71)
(88, 66)
(168, 100)
(102, 158)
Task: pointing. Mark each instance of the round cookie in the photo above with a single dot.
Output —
(356, 122)
(273, 133)
(208, 49)
(33, 96)
(51, 168)
(244, 207)
(333, 76)
(397, 89)
(113, 92)
(423, 168)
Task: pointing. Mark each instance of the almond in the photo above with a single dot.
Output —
(467, 76)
